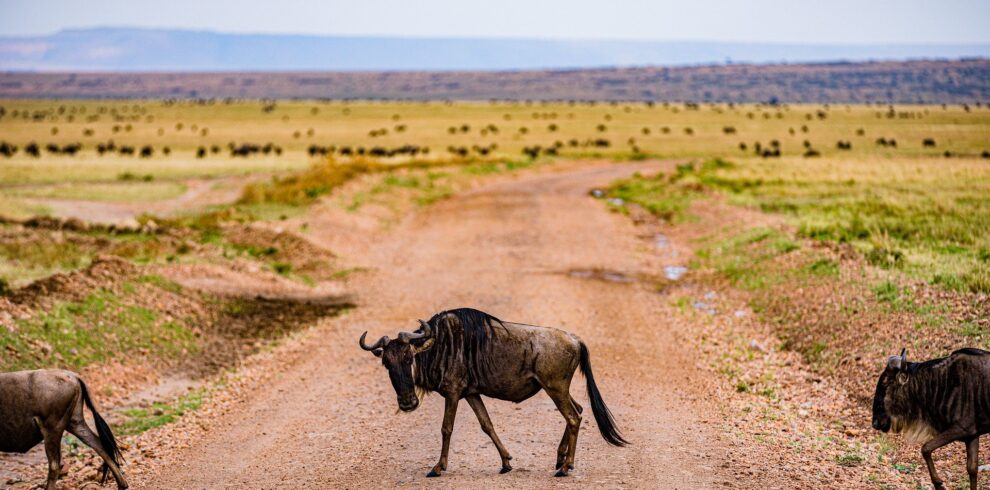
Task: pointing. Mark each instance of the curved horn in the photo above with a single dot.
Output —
(406, 337)
(897, 362)
(377, 345)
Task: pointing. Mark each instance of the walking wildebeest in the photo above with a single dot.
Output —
(939, 401)
(466, 353)
(38, 406)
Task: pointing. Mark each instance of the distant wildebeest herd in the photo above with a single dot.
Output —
(466, 354)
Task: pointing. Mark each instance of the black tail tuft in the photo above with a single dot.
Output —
(104, 433)
(606, 424)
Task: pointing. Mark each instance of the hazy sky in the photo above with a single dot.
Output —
(801, 21)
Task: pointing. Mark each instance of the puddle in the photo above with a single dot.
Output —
(704, 307)
(661, 241)
(674, 272)
(601, 275)
(167, 389)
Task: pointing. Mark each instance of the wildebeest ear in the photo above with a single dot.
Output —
(902, 378)
(425, 346)
(377, 352)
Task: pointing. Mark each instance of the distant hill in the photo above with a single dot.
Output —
(895, 82)
(131, 49)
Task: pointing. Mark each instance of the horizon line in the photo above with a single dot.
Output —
(489, 38)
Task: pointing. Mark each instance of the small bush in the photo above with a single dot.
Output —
(887, 292)
(824, 267)
(887, 258)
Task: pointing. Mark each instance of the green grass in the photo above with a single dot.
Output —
(824, 267)
(11, 207)
(928, 218)
(666, 196)
(113, 192)
(743, 258)
(76, 334)
(139, 420)
(433, 194)
(850, 459)
(36, 255)
(24, 261)
(160, 282)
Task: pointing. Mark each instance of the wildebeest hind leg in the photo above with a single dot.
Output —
(53, 449)
(562, 398)
(973, 461)
(82, 431)
(486, 425)
(562, 450)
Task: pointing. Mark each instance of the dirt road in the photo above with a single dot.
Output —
(330, 421)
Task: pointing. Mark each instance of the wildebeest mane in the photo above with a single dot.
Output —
(933, 386)
(914, 367)
(463, 336)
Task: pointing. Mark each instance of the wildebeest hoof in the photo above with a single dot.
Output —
(561, 472)
(433, 473)
(505, 469)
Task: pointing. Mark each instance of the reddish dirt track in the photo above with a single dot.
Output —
(329, 420)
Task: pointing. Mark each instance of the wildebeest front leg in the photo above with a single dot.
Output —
(486, 425)
(449, 412)
(82, 431)
(929, 447)
(973, 461)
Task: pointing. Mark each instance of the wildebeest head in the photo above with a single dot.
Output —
(886, 401)
(399, 357)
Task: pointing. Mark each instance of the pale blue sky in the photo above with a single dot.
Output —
(785, 21)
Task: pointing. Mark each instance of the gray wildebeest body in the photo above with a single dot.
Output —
(466, 353)
(937, 402)
(38, 406)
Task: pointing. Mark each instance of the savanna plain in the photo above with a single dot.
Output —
(740, 273)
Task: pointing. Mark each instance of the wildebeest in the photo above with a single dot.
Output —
(38, 406)
(938, 401)
(466, 353)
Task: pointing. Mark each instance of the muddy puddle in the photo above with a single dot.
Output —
(602, 275)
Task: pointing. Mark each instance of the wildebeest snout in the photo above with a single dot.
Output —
(408, 403)
(881, 423)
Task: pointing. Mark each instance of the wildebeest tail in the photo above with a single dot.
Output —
(103, 432)
(606, 424)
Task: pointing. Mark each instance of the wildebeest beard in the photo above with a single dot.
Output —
(418, 390)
